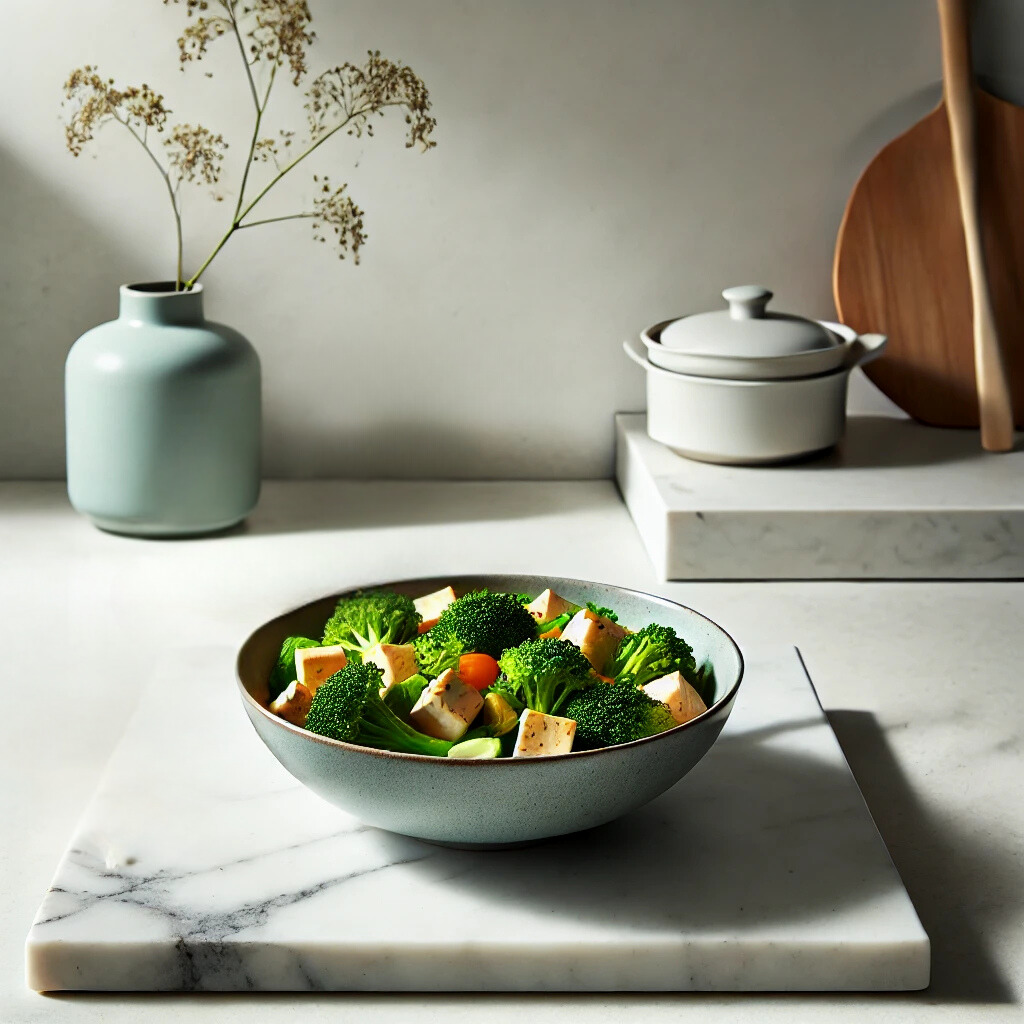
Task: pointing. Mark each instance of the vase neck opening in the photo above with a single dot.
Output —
(158, 302)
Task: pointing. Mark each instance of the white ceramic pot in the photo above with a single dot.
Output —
(750, 422)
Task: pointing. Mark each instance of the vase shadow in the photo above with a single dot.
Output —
(302, 506)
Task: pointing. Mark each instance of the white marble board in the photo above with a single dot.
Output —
(895, 500)
(202, 865)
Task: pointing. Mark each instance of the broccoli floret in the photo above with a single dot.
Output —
(543, 674)
(378, 617)
(606, 714)
(433, 655)
(349, 707)
(284, 671)
(652, 652)
(482, 622)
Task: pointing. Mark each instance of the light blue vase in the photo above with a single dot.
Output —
(163, 418)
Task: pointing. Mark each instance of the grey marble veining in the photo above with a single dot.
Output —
(201, 865)
(896, 500)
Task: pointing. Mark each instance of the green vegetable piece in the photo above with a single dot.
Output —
(349, 707)
(704, 682)
(610, 713)
(498, 714)
(542, 674)
(650, 653)
(377, 617)
(401, 697)
(482, 622)
(560, 622)
(564, 619)
(477, 749)
(497, 718)
(603, 611)
(284, 671)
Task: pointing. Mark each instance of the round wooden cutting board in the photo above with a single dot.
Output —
(901, 263)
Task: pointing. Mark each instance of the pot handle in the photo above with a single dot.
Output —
(635, 350)
(863, 349)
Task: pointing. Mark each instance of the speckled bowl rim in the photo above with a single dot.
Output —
(357, 748)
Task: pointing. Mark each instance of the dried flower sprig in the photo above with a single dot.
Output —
(270, 34)
(194, 154)
(349, 96)
(336, 212)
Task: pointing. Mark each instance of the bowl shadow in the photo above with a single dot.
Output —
(739, 797)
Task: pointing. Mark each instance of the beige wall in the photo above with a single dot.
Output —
(600, 164)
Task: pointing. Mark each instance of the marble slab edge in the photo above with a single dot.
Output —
(276, 967)
(688, 537)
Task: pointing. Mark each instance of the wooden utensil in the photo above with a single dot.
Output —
(931, 253)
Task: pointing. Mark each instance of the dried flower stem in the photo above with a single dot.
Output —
(274, 220)
(255, 136)
(230, 8)
(236, 222)
(171, 191)
(274, 34)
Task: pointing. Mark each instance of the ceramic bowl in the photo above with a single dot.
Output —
(506, 801)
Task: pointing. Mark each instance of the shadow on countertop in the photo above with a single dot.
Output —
(937, 863)
(886, 442)
(312, 505)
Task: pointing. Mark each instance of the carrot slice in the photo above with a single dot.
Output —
(477, 670)
(551, 634)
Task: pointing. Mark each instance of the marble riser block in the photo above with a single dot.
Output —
(896, 500)
(202, 865)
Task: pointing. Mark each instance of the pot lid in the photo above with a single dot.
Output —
(745, 330)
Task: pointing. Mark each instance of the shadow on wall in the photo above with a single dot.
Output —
(891, 122)
(60, 277)
(406, 445)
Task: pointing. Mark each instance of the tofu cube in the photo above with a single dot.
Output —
(596, 636)
(292, 704)
(315, 665)
(543, 734)
(430, 607)
(682, 699)
(396, 661)
(446, 707)
(547, 606)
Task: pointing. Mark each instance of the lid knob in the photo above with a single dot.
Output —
(747, 301)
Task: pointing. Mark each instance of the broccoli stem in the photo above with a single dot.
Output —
(380, 727)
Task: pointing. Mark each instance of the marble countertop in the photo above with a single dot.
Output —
(921, 682)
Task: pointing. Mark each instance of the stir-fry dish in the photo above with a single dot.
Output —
(486, 675)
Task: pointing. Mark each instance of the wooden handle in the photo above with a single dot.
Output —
(995, 409)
